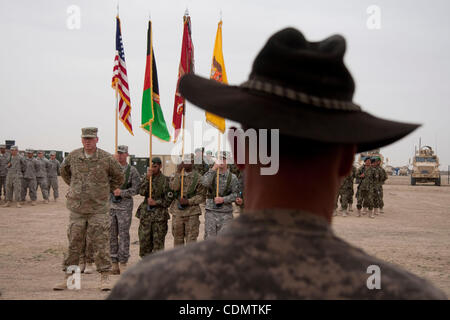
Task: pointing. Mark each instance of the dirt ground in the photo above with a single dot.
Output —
(414, 232)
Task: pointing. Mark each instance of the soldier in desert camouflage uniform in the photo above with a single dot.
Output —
(185, 209)
(41, 174)
(362, 193)
(219, 209)
(53, 173)
(3, 163)
(121, 213)
(153, 212)
(283, 245)
(92, 175)
(16, 168)
(29, 178)
(345, 194)
(382, 177)
(200, 164)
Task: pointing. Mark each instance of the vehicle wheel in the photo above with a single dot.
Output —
(413, 181)
(438, 181)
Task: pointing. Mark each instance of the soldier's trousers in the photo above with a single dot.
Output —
(93, 228)
(42, 182)
(3, 186)
(120, 235)
(30, 186)
(152, 235)
(87, 253)
(216, 221)
(365, 199)
(346, 198)
(53, 184)
(185, 229)
(378, 197)
(13, 186)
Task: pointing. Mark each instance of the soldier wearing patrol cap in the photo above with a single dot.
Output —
(92, 174)
(185, 209)
(3, 169)
(53, 173)
(16, 167)
(41, 174)
(153, 212)
(29, 178)
(219, 208)
(283, 245)
(121, 212)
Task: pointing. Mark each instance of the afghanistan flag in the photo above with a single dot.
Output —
(217, 73)
(186, 66)
(151, 107)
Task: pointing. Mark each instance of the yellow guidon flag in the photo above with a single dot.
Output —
(217, 73)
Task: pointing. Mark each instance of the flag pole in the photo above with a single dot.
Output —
(151, 104)
(150, 162)
(182, 152)
(117, 116)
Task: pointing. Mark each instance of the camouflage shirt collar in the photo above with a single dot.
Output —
(94, 155)
(289, 219)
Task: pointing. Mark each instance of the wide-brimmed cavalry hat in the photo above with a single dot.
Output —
(301, 88)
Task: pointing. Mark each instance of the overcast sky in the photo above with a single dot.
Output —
(55, 80)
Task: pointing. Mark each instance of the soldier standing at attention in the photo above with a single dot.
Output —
(209, 160)
(16, 167)
(122, 212)
(200, 164)
(153, 212)
(41, 174)
(219, 209)
(53, 173)
(29, 178)
(283, 245)
(186, 210)
(3, 163)
(361, 193)
(382, 177)
(346, 193)
(92, 175)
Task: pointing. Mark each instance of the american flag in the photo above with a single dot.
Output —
(121, 80)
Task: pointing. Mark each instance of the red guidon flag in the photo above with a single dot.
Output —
(120, 80)
(186, 66)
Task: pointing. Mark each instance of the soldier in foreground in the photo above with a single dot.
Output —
(283, 246)
(29, 178)
(16, 168)
(152, 213)
(185, 209)
(122, 212)
(53, 173)
(3, 169)
(219, 209)
(41, 174)
(91, 174)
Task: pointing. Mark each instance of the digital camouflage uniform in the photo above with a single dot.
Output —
(121, 214)
(14, 177)
(378, 192)
(186, 222)
(269, 254)
(200, 165)
(346, 190)
(91, 180)
(53, 173)
(217, 218)
(29, 179)
(153, 224)
(4, 158)
(41, 176)
(365, 188)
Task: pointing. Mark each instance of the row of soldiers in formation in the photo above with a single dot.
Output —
(166, 201)
(370, 178)
(21, 175)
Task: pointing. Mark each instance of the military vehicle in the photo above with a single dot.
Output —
(372, 153)
(403, 171)
(425, 167)
(389, 170)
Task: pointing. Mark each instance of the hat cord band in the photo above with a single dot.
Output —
(302, 97)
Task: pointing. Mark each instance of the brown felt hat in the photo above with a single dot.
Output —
(301, 88)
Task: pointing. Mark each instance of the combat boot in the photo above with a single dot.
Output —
(18, 205)
(375, 211)
(381, 210)
(22, 203)
(63, 284)
(115, 268)
(33, 203)
(350, 209)
(7, 204)
(123, 267)
(89, 268)
(105, 285)
(371, 214)
(82, 267)
(359, 213)
(344, 213)
(335, 213)
(46, 201)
